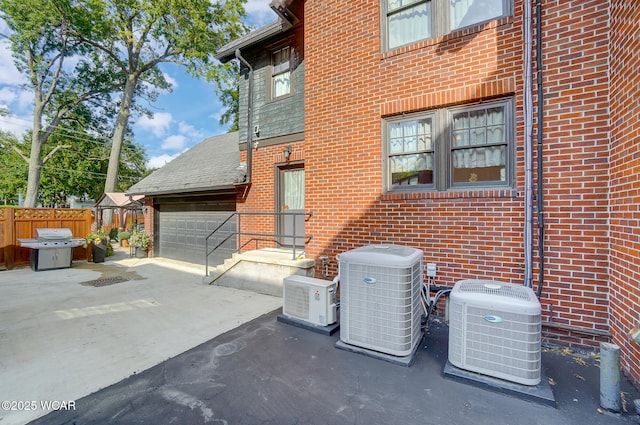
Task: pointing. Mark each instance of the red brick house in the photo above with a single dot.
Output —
(415, 122)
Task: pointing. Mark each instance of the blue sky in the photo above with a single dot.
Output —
(182, 117)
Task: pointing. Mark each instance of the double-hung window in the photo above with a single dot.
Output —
(411, 152)
(281, 72)
(479, 144)
(459, 147)
(408, 21)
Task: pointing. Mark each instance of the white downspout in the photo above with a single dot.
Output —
(528, 147)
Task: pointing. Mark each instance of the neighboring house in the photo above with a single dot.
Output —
(410, 122)
(190, 196)
(125, 209)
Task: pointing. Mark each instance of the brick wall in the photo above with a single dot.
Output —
(576, 145)
(351, 86)
(260, 196)
(625, 180)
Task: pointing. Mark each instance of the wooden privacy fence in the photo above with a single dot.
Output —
(20, 223)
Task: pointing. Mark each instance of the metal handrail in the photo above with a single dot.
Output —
(272, 236)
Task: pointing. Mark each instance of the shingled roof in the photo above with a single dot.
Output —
(213, 164)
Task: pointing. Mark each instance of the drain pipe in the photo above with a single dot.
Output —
(247, 179)
(540, 190)
(528, 151)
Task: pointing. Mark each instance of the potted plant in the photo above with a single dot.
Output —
(140, 241)
(123, 237)
(99, 242)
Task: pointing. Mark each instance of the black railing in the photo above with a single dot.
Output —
(297, 241)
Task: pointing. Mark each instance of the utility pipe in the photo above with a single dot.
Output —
(249, 115)
(540, 160)
(528, 151)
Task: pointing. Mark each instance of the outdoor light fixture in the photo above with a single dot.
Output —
(287, 152)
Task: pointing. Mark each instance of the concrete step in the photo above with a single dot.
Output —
(260, 271)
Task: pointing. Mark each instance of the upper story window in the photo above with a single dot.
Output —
(408, 21)
(281, 74)
(467, 146)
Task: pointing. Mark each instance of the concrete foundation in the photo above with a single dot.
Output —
(261, 271)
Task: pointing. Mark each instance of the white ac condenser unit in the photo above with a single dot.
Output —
(380, 307)
(310, 300)
(495, 330)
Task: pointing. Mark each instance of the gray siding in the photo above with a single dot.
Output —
(276, 118)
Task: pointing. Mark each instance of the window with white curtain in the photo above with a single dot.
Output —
(281, 72)
(294, 189)
(464, 13)
(479, 145)
(452, 147)
(411, 152)
(408, 21)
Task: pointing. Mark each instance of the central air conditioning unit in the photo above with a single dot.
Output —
(380, 306)
(495, 330)
(310, 300)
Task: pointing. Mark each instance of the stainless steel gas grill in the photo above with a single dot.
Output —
(52, 248)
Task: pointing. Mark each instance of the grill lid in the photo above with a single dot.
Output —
(51, 234)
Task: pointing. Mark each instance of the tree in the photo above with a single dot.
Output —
(43, 43)
(77, 170)
(135, 36)
(13, 175)
(227, 80)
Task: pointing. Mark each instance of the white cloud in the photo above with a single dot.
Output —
(7, 95)
(18, 125)
(172, 81)
(160, 160)
(258, 12)
(158, 124)
(16, 99)
(9, 74)
(25, 100)
(189, 131)
(174, 142)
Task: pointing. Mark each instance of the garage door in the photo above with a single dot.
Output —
(182, 231)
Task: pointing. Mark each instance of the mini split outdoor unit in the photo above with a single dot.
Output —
(309, 300)
(495, 330)
(380, 306)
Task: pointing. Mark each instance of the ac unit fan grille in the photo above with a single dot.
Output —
(509, 349)
(491, 288)
(297, 301)
(384, 315)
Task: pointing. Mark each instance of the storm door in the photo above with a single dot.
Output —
(291, 199)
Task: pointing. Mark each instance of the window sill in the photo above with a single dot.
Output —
(279, 98)
(504, 193)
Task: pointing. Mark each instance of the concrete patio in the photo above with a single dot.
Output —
(70, 332)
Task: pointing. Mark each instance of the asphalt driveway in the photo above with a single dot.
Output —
(67, 333)
(269, 373)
